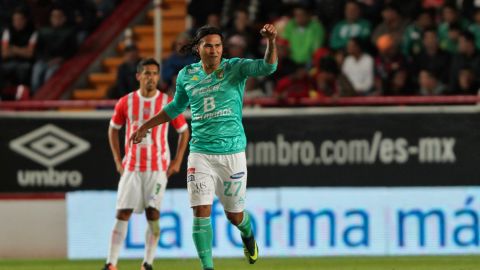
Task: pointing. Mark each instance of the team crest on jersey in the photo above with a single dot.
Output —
(146, 110)
(219, 73)
(194, 78)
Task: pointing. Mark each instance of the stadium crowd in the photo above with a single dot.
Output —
(326, 47)
(37, 36)
(355, 47)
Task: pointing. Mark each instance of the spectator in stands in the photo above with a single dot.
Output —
(84, 14)
(176, 60)
(297, 85)
(358, 67)
(429, 83)
(351, 27)
(126, 74)
(468, 82)
(475, 27)
(241, 26)
(387, 63)
(412, 38)
(329, 12)
(450, 27)
(285, 66)
(393, 24)
(55, 44)
(400, 85)
(329, 81)
(18, 44)
(467, 57)
(305, 34)
(432, 57)
(200, 9)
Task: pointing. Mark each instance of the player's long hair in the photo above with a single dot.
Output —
(191, 47)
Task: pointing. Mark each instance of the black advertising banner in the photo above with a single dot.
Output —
(334, 149)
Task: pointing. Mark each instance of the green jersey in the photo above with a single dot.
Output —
(216, 102)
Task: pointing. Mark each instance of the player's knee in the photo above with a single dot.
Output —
(124, 214)
(202, 210)
(234, 218)
(152, 213)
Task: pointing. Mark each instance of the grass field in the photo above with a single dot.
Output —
(330, 263)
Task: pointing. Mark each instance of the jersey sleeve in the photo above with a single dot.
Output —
(119, 118)
(5, 37)
(257, 67)
(179, 123)
(180, 100)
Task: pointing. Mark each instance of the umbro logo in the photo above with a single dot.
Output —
(49, 145)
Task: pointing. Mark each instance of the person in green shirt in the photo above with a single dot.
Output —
(411, 44)
(450, 28)
(304, 34)
(352, 27)
(475, 27)
(214, 89)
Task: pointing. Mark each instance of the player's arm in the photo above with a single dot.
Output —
(270, 32)
(116, 123)
(267, 65)
(176, 163)
(113, 139)
(171, 111)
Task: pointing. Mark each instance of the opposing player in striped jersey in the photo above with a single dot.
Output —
(214, 90)
(146, 166)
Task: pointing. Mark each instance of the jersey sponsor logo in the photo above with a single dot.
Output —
(49, 146)
(190, 170)
(224, 112)
(237, 175)
(206, 90)
(193, 70)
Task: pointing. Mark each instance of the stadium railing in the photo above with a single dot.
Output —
(261, 102)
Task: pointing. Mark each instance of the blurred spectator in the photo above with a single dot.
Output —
(430, 85)
(285, 66)
(200, 9)
(6, 9)
(297, 85)
(432, 57)
(329, 12)
(104, 8)
(18, 45)
(213, 19)
(305, 34)
(468, 83)
(236, 46)
(85, 18)
(387, 63)
(400, 85)
(55, 44)
(176, 60)
(241, 26)
(230, 8)
(467, 57)
(475, 27)
(372, 9)
(329, 81)
(126, 74)
(450, 27)
(358, 67)
(393, 24)
(352, 26)
(412, 38)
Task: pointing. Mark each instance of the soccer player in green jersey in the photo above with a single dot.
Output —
(214, 89)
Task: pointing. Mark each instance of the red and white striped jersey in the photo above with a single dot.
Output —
(153, 153)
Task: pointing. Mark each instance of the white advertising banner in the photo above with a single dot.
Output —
(296, 222)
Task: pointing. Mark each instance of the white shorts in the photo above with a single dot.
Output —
(140, 190)
(223, 175)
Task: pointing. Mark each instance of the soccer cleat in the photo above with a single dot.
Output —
(109, 266)
(250, 249)
(146, 266)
